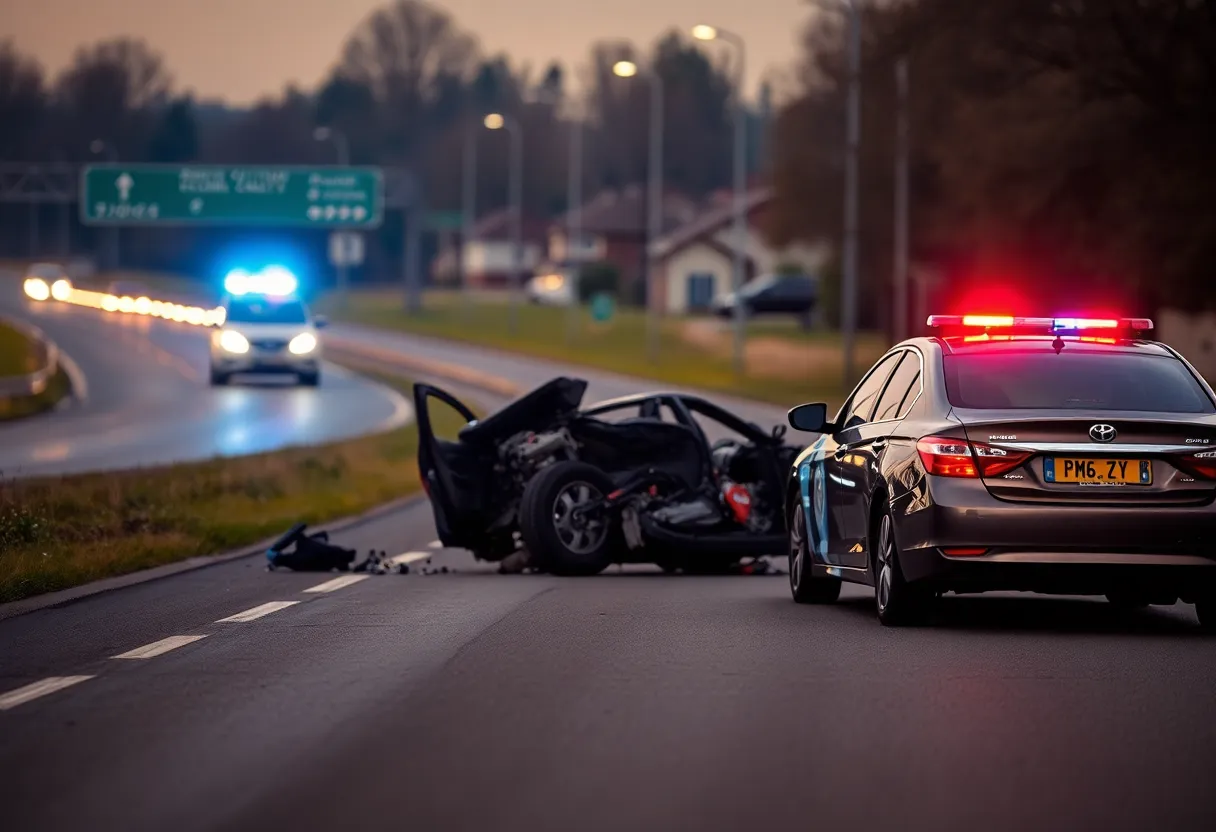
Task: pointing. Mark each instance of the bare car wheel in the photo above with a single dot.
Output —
(560, 522)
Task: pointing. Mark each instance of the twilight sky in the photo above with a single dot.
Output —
(243, 49)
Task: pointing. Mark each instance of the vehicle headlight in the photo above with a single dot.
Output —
(233, 341)
(303, 344)
(36, 288)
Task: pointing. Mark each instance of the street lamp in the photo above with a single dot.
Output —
(654, 211)
(848, 295)
(497, 121)
(342, 146)
(705, 32)
(99, 147)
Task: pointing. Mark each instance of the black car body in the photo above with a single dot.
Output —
(1031, 457)
(640, 469)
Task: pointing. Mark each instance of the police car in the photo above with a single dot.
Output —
(267, 329)
(1053, 455)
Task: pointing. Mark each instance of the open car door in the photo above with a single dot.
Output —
(451, 473)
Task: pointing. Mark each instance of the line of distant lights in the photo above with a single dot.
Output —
(63, 291)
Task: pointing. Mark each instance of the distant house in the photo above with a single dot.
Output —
(695, 262)
(613, 229)
(489, 253)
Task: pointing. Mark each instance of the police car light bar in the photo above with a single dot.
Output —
(1052, 325)
(273, 281)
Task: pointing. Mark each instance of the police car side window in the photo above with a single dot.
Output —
(897, 399)
(862, 404)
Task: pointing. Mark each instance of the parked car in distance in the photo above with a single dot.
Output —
(777, 294)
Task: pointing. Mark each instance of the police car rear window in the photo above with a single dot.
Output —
(261, 311)
(1073, 381)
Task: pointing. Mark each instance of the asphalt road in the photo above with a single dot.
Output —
(634, 700)
(148, 400)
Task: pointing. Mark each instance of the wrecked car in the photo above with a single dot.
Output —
(629, 480)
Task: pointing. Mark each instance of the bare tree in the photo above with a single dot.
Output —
(22, 103)
(111, 92)
(407, 53)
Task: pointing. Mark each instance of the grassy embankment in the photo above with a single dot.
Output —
(61, 532)
(783, 365)
(18, 357)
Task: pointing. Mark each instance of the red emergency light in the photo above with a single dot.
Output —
(1046, 326)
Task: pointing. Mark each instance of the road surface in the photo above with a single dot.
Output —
(633, 700)
(149, 403)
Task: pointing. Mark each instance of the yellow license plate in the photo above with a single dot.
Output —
(1081, 471)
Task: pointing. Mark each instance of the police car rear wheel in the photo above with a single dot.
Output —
(218, 379)
(310, 379)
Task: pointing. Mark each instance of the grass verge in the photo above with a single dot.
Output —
(61, 532)
(18, 357)
(618, 345)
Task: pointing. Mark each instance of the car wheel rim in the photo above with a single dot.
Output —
(886, 546)
(578, 533)
(797, 550)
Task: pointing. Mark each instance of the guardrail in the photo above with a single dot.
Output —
(36, 382)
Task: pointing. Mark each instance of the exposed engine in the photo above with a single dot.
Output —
(524, 454)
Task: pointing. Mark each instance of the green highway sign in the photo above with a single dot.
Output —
(263, 195)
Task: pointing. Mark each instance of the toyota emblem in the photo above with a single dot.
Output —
(1102, 433)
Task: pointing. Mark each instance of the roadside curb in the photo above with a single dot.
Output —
(63, 597)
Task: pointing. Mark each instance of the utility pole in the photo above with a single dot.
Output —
(900, 287)
(848, 317)
(574, 218)
(468, 213)
(655, 215)
(414, 214)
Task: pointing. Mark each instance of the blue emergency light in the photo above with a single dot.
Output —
(273, 281)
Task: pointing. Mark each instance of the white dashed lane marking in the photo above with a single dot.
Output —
(38, 689)
(157, 648)
(407, 558)
(336, 583)
(436, 544)
(257, 612)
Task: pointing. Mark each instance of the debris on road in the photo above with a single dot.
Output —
(308, 553)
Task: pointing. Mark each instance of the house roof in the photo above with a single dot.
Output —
(623, 211)
(708, 223)
(496, 225)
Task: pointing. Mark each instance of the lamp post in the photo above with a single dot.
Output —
(468, 214)
(497, 121)
(901, 202)
(342, 146)
(848, 295)
(98, 147)
(706, 33)
(574, 216)
(654, 210)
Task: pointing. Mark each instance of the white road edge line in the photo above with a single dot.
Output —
(157, 648)
(337, 583)
(436, 544)
(257, 612)
(80, 383)
(38, 689)
(407, 557)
